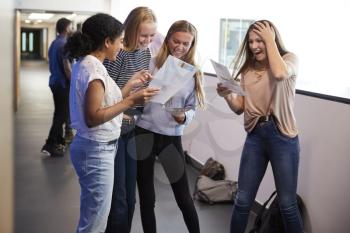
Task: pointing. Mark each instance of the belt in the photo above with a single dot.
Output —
(128, 119)
(265, 118)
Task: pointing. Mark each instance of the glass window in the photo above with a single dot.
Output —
(24, 41)
(31, 41)
(232, 32)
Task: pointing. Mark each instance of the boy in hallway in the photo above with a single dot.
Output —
(60, 70)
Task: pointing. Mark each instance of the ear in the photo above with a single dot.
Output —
(108, 42)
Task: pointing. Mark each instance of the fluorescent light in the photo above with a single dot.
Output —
(72, 16)
(27, 21)
(43, 16)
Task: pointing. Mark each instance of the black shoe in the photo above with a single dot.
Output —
(52, 150)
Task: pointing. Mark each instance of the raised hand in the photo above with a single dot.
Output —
(265, 31)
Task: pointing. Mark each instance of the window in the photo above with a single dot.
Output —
(232, 32)
(24, 41)
(31, 41)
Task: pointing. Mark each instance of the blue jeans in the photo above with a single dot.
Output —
(123, 199)
(265, 143)
(94, 164)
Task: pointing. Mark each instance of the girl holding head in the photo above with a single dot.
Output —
(268, 75)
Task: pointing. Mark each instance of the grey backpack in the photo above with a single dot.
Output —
(214, 191)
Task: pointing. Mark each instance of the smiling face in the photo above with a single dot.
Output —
(257, 47)
(179, 44)
(113, 47)
(147, 31)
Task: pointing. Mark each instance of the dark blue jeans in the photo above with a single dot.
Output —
(123, 199)
(266, 144)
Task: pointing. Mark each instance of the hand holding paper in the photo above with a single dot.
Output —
(223, 74)
(171, 77)
(176, 110)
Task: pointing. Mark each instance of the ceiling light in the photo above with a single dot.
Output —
(43, 16)
(72, 16)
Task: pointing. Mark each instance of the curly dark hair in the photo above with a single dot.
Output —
(93, 34)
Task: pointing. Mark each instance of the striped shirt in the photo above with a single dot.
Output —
(126, 65)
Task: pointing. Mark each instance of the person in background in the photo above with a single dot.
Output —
(158, 132)
(96, 106)
(140, 28)
(268, 75)
(59, 84)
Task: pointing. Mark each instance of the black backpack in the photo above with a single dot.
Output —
(270, 220)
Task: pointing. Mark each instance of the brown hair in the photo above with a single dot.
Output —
(245, 58)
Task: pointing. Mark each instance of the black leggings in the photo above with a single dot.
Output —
(170, 153)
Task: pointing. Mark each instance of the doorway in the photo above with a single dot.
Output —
(32, 43)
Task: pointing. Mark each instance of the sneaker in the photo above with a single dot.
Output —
(69, 137)
(61, 147)
(52, 150)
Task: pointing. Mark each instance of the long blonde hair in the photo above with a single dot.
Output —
(184, 26)
(132, 24)
(244, 59)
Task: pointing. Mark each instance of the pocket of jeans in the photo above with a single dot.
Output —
(92, 161)
(279, 133)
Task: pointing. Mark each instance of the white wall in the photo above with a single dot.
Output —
(311, 29)
(324, 160)
(6, 120)
(65, 5)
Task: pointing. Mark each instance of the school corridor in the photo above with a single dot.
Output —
(47, 188)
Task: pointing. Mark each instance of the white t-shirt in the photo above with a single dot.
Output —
(84, 71)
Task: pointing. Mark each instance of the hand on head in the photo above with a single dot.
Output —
(222, 91)
(264, 30)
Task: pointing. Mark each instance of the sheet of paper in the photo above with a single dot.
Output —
(177, 110)
(223, 74)
(171, 77)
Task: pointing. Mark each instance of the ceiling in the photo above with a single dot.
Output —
(75, 17)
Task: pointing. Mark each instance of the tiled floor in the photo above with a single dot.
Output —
(47, 189)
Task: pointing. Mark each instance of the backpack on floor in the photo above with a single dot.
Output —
(213, 169)
(214, 191)
(270, 220)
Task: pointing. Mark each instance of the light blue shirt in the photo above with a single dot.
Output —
(157, 119)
